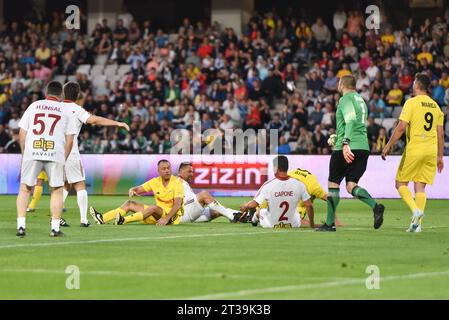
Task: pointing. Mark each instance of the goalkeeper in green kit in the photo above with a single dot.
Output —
(350, 155)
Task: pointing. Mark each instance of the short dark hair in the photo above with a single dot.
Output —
(54, 88)
(71, 90)
(348, 81)
(162, 161)
(423, 81)
(183, 165)
(281, 162)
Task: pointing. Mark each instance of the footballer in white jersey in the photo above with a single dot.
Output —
(74, 171)
(201, 207)
(282, 195)
(46, 138)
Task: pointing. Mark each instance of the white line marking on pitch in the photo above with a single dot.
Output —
(160, 274)
(202, 235)
(242, 293)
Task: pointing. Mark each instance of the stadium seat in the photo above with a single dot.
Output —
(173, 37)
(84, 69)
(96, 70)
(60, 78)
(387, 123)
(72, 78)
(123, 69)
(98, 81)
(110, 70)
(101, 59)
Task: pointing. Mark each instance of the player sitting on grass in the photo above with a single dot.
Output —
(168, 192)
(201, 207)
(313, 188)
(422, 120)
(282, 195)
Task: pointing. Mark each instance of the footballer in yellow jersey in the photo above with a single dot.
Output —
(168, 194)
(313, 188)
(422, 121)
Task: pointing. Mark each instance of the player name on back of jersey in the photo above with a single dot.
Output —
(428, 104)
(41, 107)
(283, 194)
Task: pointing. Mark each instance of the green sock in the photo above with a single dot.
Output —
(364, 196)
(333, 198)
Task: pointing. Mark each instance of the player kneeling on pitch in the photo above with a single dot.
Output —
(168, 193)
(282, 195)
(201, 207)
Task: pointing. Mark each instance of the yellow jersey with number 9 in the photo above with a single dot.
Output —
(423, 116)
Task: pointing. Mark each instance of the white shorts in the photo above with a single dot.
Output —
(74, 171)
(31, 169)
(266, 223)
(193, 211)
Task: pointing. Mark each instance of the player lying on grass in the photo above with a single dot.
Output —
(421, 118)
(313, 188)
(168, 193)
(282, 195)
(201, 207)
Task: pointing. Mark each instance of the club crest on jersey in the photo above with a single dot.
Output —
(43, 144)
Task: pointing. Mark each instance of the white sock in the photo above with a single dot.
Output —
(20, 222)
(65, 193)
(226, 212)
(81, 197)
(55, 224)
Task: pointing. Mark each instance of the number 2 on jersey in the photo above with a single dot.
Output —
(41, 123)
(285, 206)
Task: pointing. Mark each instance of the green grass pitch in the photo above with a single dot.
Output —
(220, 260)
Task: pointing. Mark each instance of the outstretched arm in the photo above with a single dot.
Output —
(397, 134)
(105, 122)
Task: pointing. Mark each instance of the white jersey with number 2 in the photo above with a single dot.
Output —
(282, 196)
(47, 123)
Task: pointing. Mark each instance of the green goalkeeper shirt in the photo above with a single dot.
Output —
(351, 118)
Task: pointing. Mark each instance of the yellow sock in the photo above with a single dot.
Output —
(37, 194)
(406, 195)
(421, 199)
(110, 215)
(138, 216)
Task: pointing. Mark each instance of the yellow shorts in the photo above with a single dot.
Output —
(417, 168)
(316, 192)
(43, 176)
(176, 219)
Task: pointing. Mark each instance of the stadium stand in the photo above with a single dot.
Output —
(281, 73)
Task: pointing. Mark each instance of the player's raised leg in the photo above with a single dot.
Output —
(364, 196)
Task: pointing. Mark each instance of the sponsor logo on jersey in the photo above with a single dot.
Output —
(43, 144)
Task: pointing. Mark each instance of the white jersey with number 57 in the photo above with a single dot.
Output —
(282, 196)
(47, 123)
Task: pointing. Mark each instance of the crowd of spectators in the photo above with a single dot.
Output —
(281, 73)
